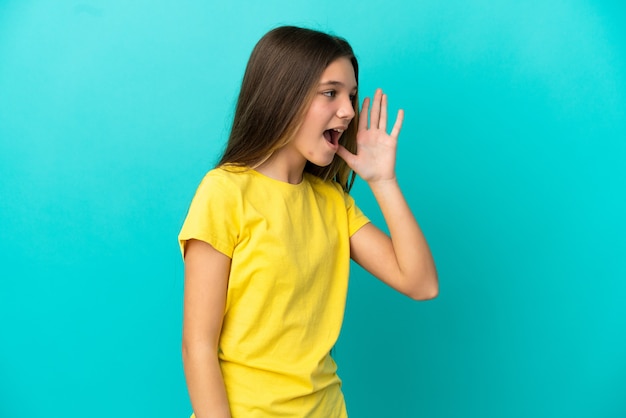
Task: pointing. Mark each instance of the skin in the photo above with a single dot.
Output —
(402, 260)
(331, 108)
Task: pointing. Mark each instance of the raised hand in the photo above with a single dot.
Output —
(375, 158)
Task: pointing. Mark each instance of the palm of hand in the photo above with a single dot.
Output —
(376, 149)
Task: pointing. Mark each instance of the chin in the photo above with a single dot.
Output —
(322, 163)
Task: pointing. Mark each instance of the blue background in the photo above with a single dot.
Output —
(512, 157)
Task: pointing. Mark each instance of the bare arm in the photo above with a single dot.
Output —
(206, 281)
(404, 260)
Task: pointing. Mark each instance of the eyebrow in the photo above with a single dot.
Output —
(335, 83)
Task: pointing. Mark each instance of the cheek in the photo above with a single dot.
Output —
(318, 112)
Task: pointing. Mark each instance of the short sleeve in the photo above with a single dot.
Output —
(212, 216)
(356, 218)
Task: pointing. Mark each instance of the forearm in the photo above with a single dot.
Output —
(414, 260)
(205, 382)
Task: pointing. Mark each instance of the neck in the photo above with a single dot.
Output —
(283, 167)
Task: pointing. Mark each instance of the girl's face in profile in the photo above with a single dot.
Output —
(328, 116)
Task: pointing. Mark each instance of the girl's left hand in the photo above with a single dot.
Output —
(375, 159)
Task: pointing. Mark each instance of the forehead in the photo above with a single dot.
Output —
(340, 72)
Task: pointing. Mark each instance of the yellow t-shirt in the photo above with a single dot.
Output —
(290, 252)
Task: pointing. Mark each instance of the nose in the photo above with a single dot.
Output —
(346, 110)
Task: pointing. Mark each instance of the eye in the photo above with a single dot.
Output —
(329, 93)
(352, 97)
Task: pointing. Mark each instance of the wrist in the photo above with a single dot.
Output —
(381, 185)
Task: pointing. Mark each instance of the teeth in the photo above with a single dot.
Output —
(338, 130)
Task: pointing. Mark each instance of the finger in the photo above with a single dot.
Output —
(363, 115)
(375, 114)
(347, 156)
(397, 126)
(383, 114)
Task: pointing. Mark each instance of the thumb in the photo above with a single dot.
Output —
(347, 156)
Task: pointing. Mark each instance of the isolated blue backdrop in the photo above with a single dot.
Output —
(512, 157)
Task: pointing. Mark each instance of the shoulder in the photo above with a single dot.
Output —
(223, 175)
(224, 180)
(218, 188)
(324, 186)
(329, 187)
(330, 190)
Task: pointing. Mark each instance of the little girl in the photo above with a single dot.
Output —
(270, 232)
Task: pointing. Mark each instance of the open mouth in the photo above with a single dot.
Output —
(333, 135)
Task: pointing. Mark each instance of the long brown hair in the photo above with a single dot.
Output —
(278, 86)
